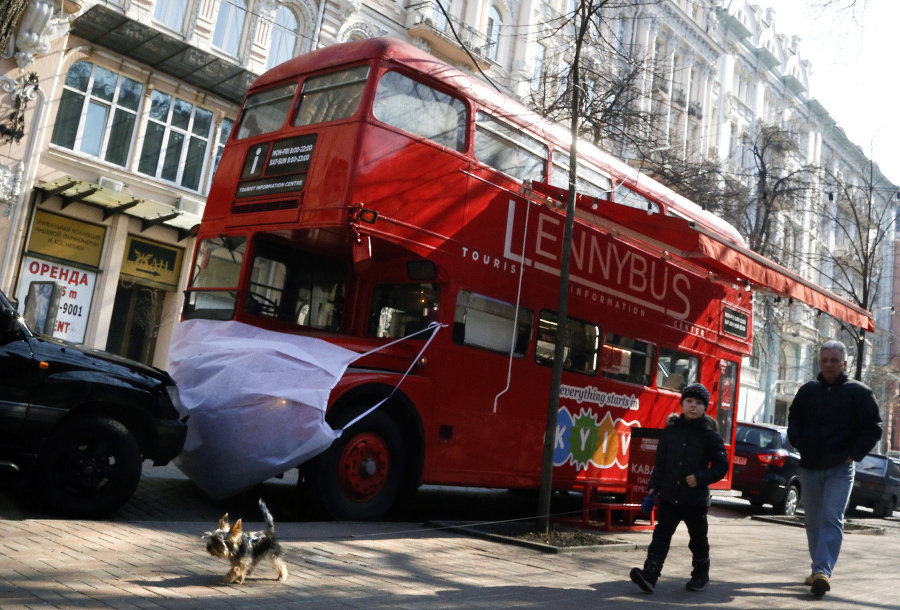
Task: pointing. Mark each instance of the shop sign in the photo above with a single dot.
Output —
(150, 260)
(55, 299)
(66, 238)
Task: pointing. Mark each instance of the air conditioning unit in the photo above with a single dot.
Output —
(189, 205)
(109, 183)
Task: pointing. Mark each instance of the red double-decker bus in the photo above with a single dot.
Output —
(368, 190)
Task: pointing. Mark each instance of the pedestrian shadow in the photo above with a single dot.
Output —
(720, 593)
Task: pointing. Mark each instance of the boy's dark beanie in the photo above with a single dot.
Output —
(698, 391)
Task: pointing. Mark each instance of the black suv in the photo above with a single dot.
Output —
(76, 424)
(766, 467)
(876, 485)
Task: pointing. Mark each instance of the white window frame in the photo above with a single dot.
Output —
(90, 99)
(280, 51)
(187, 133)
(231, 24)
(493, 32)
(172, 13)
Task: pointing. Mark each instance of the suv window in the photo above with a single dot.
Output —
(872, 464)
(763, 438)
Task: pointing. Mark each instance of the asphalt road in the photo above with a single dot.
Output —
(165, 494)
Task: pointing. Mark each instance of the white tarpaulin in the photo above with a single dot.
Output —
(256, 400)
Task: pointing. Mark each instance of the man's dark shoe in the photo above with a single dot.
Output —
(820, 584)
(643, 580)
(699, 576)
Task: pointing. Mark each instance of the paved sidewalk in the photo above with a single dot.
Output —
(157, 564)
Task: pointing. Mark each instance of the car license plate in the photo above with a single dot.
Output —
(740, 461)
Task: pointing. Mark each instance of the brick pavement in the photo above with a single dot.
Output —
(46, 563)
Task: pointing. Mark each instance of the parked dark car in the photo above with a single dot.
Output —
(876, 485)
(76, 424)
(766, 467)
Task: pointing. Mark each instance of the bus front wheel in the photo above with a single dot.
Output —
(360, 477)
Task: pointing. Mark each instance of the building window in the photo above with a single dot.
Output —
(224, 131)
(284, 37)
(230, 26)
(171, 13)
(97, 113)
(537, 75)
(494, 23)
(176, 142)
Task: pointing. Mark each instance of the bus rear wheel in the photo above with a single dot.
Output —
(360, 477)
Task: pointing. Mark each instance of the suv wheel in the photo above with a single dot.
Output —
(89, 468)
(788, 506)
(886, 509)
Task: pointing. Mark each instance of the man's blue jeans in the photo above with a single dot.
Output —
(825, 497)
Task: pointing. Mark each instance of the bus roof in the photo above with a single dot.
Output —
(736, 260)
(403, 53)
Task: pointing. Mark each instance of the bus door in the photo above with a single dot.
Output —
(728, 380)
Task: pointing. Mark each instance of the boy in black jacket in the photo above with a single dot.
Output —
(690, 456)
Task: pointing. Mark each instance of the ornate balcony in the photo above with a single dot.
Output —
(428, 23)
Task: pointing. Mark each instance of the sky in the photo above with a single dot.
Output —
(854, 56)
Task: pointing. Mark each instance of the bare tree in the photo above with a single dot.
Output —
(861, 215)
(582, 31)
(613, 80)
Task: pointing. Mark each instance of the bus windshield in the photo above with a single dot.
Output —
(296, 286)
(217, 269)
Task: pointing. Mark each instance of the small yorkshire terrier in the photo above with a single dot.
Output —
(244, 550)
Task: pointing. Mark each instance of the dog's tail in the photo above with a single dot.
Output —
(267, 516)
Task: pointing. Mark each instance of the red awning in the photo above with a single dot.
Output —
(701, 246)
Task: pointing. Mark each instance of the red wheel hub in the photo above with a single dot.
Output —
(364, 467)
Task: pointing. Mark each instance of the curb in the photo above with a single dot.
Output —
(463, 528)
(850, 527)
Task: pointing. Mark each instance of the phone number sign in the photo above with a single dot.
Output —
(74, 289)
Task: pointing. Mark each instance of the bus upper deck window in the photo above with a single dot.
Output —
(589, 181)
(633, 199)
(266, 111)
(509, 149)
(419, 109)
(331, 96)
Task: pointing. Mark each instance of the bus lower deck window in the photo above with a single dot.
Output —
(399, 310)
(676, 370)
(627, 359)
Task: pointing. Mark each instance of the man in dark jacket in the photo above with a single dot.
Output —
(832, 422)
(690, 457)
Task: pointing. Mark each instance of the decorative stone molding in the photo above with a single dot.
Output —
(348, 8)
(41, 24)
(358, 30)
(22, 91)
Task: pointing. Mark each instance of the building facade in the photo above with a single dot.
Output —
(114, 113)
